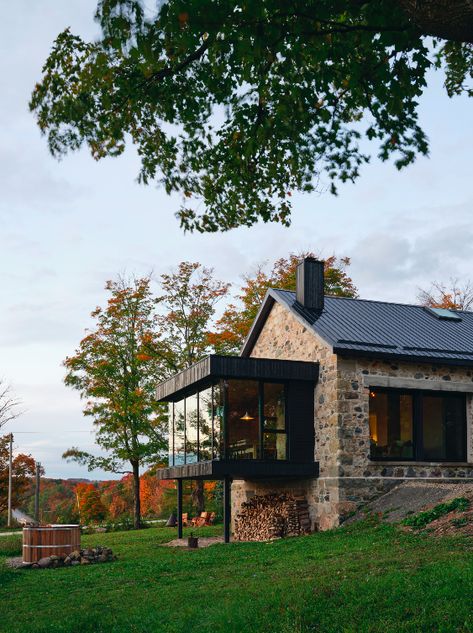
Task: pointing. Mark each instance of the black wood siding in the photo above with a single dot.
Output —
(300, 420)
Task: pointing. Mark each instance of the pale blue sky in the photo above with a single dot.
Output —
(68, 227)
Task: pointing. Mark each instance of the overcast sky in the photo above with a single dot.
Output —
(68, 227)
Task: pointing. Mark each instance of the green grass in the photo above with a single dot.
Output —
(363, 578)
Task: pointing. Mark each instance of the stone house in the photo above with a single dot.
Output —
(332, 399)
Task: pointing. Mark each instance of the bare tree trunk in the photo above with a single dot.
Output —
(448, 19)
(136, 495)
(198, 496)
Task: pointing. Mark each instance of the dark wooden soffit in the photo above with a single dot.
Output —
(240, 469)
(234, 367)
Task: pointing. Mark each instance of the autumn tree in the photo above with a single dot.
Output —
(118, 497)
(235, 105)
(23, 470)
(234, 325)
(116, 369)
(454, 296)
(188, 302)
(91, 507)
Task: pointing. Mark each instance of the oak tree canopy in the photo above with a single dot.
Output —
(237, 105)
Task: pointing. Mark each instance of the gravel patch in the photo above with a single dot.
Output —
(412, 497)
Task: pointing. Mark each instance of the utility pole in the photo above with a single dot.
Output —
(36, 496)
(10, 480)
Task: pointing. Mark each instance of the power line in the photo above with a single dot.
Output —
(47, 432)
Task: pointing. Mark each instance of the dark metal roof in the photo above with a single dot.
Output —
(216, 366)
(378, 329)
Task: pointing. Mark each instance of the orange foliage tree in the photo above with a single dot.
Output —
(234, 325)
(453, 297)
(23, 471)
(91, 508)
(116, 369)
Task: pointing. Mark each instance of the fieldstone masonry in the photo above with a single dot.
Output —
(347, 476)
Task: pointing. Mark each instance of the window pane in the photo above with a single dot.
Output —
(218, 395)
(443, 428)
(191, 429)
(406, 427)
(179, 424)
(391, 425)
(274, 406)
(274, 446)
(205, 424)
(243, 421)
(171, 433)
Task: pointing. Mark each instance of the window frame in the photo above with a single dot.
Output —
(222, 384)
(418, 424)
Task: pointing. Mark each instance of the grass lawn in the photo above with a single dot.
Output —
(362, 578)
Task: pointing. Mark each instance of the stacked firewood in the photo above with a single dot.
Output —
(272, 516)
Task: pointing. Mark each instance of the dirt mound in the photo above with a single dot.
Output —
(413, 497)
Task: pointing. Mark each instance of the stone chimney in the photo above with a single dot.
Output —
(310, 284)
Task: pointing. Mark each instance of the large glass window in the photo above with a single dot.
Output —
(243, 419)
(425, 426)
(233, 419)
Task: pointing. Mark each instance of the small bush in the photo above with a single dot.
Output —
(422, 519)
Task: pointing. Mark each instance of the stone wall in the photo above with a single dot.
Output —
(283, 336)
(368, 479)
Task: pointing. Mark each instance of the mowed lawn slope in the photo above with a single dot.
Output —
(362, 578)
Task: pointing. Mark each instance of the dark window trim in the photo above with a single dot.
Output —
(417, 422)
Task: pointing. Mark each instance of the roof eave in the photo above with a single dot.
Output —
(258, 323)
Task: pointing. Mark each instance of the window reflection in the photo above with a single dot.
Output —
(192, 429)
(391, 425)
(205, 424)
(274, 406)
(243, 419)
(171, 433)
(443, 427)
(219, 409)
(274, 446)
(179, 433)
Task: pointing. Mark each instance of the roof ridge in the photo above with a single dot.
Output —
(394, 303)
